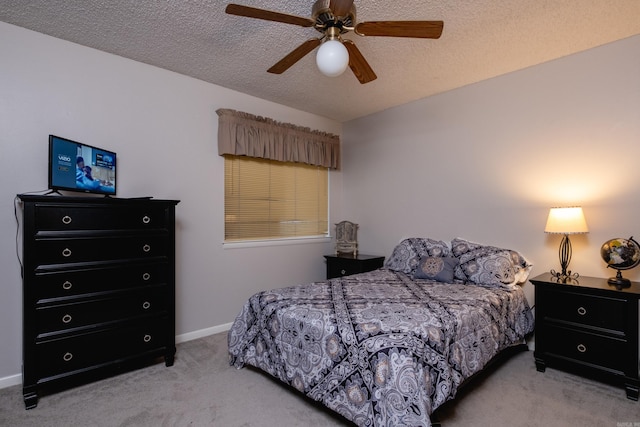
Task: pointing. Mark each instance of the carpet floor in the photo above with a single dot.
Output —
(201, 389)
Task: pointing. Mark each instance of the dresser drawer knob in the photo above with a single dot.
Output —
(343, 272)
(146, 248)
(582, 348)
(146, 276)
(67, 285)
(66, 220)
(146, 219)
(146, 338)
(66, 252)
(66, 318)
(146, 305)
(582, 311)
(67, 357)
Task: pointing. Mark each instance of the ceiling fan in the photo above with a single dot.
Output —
(333, 18)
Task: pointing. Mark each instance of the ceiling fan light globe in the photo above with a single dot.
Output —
(332, 58)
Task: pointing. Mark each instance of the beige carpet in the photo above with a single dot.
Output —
(201, 389)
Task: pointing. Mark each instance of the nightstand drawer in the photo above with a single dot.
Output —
(348, 264)
(342, 269)
(589, 310)
(602, 351)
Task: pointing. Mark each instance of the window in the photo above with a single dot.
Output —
(267, 199)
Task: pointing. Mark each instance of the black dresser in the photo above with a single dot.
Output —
(98, 288)
(590, 328)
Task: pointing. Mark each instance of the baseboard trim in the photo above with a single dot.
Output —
(10, 381)
(203, 333)
(16, 379)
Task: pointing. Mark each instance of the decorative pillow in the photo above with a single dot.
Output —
(436, 268)
(489, 265)
(407, 253)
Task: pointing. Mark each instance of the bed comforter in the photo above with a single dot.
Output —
(379, 348)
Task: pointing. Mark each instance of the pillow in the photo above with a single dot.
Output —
(407, 253)
(489, 265)
(436, 268)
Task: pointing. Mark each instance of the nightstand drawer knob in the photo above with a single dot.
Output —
(343, 272)
(66, 220)
(146, 276)
(146, 248)
(66, 252)
(67, 285)
(146, 219)
(582, 348)
(147, 338)
(66, 318)
(582, 311)
(146, 305)
(67, 357)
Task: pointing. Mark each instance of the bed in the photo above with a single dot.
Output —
(388, 347)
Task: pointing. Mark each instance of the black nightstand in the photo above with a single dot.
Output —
(589, 328)
(347, 264)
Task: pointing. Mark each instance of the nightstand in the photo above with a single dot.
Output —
(347, 264)
(589, 328)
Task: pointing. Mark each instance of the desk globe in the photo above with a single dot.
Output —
(621, 254)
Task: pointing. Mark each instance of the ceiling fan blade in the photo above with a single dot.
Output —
(297, 54)
(340, 7)
(417, 29)
(267, 15)
(360, 67)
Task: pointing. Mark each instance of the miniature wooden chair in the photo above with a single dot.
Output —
(347, 237)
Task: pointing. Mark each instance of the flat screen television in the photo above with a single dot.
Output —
(80, 167)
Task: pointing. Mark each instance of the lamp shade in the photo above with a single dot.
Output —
(332, 58)
(566, 221)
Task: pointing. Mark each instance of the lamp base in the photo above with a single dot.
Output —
(565, 276)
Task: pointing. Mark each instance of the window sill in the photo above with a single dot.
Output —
(276, 242)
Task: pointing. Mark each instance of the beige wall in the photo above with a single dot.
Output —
(485, 162)
(163, 127)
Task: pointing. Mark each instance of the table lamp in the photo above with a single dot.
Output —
(565, 221)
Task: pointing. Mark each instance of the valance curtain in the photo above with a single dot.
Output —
(243, 134)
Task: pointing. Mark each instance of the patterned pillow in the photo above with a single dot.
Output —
(489, 265)
(407, 253)
(436, 268)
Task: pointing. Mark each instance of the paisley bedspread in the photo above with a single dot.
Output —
(379, 348)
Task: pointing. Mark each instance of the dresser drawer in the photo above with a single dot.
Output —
(85, 249)
(67, 356)
(602, 351)
(66, 283)
(75, 217)
(590, 310)
(68, 317)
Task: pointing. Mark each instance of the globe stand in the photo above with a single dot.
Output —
(619, 282)
(620, 254)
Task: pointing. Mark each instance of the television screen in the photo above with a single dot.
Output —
(79, 167)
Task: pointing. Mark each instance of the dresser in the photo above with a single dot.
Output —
(98, 288)
(589, 328)
(347, 264)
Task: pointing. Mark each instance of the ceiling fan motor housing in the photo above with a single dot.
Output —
(324, 17)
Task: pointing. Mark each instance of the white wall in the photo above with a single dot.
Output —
(163, 127)
(486, 161)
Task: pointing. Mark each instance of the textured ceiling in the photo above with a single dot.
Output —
(481, 39)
